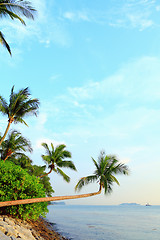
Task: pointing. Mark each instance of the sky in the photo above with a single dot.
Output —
(95, 67)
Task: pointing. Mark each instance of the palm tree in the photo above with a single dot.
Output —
(14, 146)
(23, 161)
(54, 158)
(14, 9)
(20, 105)
(106, 169)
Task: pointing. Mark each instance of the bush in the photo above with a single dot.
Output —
(15, 184)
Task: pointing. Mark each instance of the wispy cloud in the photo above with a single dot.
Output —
(76, 16)
(49, 28)
(126, 14)
(120, 106)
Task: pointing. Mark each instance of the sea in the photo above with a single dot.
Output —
(120, 222)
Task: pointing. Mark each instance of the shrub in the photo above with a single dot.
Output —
(15, 184)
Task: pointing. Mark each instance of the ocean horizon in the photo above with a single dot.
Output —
(109, 222)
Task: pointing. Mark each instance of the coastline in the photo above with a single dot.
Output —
(45, 229)
(41, 229)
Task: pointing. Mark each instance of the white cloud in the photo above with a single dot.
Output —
(158, 8)
(139, 21)
(69, 15)
(53, 78)
(48, 141)
(136, 81)
(128, 14)
(76, 16)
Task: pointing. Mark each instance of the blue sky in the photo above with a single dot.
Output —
(95, 66)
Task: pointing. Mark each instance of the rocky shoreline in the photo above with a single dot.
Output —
(12, 229)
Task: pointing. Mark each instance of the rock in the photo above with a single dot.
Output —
(14, 229)
(9, 221)
(4, 237)
(2, 223)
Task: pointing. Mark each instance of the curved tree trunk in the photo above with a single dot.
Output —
(46, 173)
(8, 126)
(9, 153)
(47, 199)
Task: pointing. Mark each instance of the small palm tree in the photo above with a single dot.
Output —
(106, 169)
(55, 159)
(14, 9)
(14, 146)
(20, 105)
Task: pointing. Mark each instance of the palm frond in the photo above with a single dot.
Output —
(85, 181)
(52, 146)
(66, 164)
(46, 159)
(122, 169)
(20, 120)
(19, 7)
(12, 15)
(45, 145)
(3, 106)
(65, 176)
(114, 179)
(95, 163)
(4, 43)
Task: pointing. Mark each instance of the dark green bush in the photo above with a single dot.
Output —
(15, 184)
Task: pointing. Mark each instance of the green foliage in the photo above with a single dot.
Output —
(24, 161)
(15, 184)
(38, 171)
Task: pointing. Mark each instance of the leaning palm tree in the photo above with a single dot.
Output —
(55, 159)
(106, 169)
(15, 145)
(19, 106)
(14, 9)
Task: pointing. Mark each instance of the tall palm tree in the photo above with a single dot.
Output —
(106, 169)
(14, 9)
(55, 159)
(20, 105)
(15, 145)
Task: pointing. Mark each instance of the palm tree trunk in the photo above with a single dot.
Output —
(47, 199)
(8, 126)
(46, 173)
(5, 158)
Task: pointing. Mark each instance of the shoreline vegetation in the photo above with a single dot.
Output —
(14, 228)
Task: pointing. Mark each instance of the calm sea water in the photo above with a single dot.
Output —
(106, 222)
